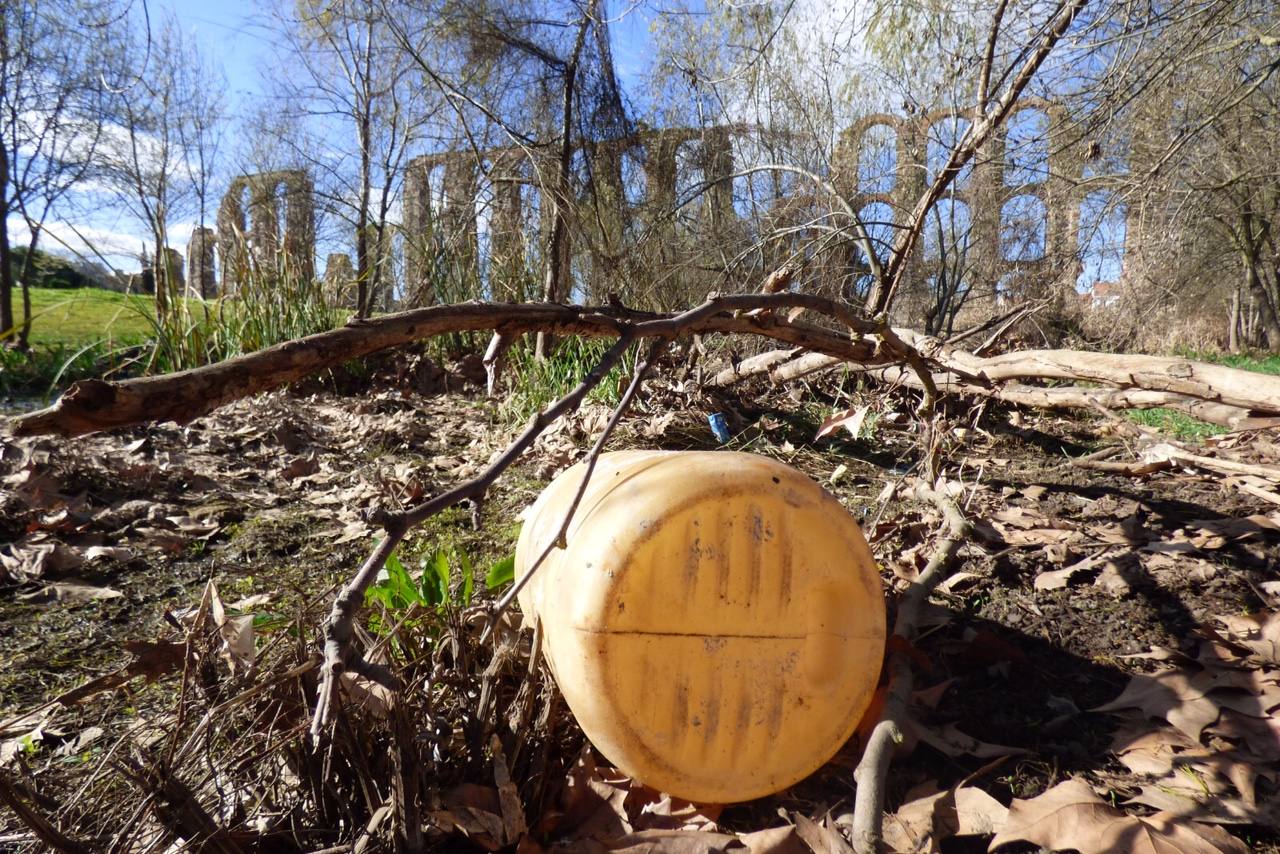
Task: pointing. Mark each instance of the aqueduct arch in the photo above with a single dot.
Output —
(279, 234)
(484, 204)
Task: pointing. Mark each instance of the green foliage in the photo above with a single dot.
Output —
(45, 369)
(501, 573)
(268, 309)
(88, 332)
(50, 271)
(1177, 424)
(534, 383)
(397, 590)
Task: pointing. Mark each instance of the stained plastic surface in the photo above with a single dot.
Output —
(715, 622)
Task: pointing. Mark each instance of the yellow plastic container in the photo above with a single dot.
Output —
(716, 621)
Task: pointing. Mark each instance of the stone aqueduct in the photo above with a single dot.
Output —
(268, 218)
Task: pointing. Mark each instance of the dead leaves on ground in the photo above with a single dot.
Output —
(1223, 730)
(600, 809)
(79, 507)
(1116, 542)
(1071, 816)
(929, 816)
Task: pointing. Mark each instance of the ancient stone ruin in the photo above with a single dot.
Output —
(1019, 203)
(278, 235)
(201, 276)
(339, 280)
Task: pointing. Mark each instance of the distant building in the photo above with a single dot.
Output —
(1101, 295)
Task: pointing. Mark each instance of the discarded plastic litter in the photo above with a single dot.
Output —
(716, 621)
(720, 427)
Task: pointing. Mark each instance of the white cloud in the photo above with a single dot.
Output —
(121, 247)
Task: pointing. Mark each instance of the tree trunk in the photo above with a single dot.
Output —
(1266, 311)
(1233, 323)
(557, 270)
(363, 296)
(1250, 250)
(28, 267)
(6, 254)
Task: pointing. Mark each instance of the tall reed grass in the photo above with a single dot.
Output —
(533, 384)
(274, 303)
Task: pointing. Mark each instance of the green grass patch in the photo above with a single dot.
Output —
(535, 384)
(1262, 363)
(74, 317)
(1177, 424)
(78, 333)
(1184, 427)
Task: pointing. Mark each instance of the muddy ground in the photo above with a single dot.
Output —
(114, 540)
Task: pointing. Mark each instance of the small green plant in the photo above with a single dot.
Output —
(273, 303)
(434, 588)
(46, 368)
(501, 573)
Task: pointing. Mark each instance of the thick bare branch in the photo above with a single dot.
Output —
(95, 405)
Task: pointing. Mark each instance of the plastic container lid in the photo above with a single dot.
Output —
(716, 621)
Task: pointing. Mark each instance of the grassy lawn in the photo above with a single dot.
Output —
(75, 317)
(1259, 363)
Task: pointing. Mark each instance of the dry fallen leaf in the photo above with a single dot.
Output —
(37, 555)
(1170, 694)
(1113, 579)
(1070, 815)
(775, 840)
(924, 821)
(60, 591)
(820, 838)
(677, 842)
(952, 742)
(1150, 751)
(850, 419)
(1259, 632)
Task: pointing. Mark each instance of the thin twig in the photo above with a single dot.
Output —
(873, 768)
(40, 826)
(558, 542)
(339, 653)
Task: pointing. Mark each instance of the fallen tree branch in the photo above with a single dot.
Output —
(1138, 469)
(1199, 380)
(792, 364)
(95, 405)
(1165, 452)
(873, 769)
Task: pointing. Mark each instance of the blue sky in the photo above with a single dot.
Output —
(237, 36)
(235, 33)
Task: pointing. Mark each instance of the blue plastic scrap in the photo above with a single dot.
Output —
(720, 427)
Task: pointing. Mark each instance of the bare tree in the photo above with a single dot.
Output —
(357, 86)
(55, 64)
(158, 156)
